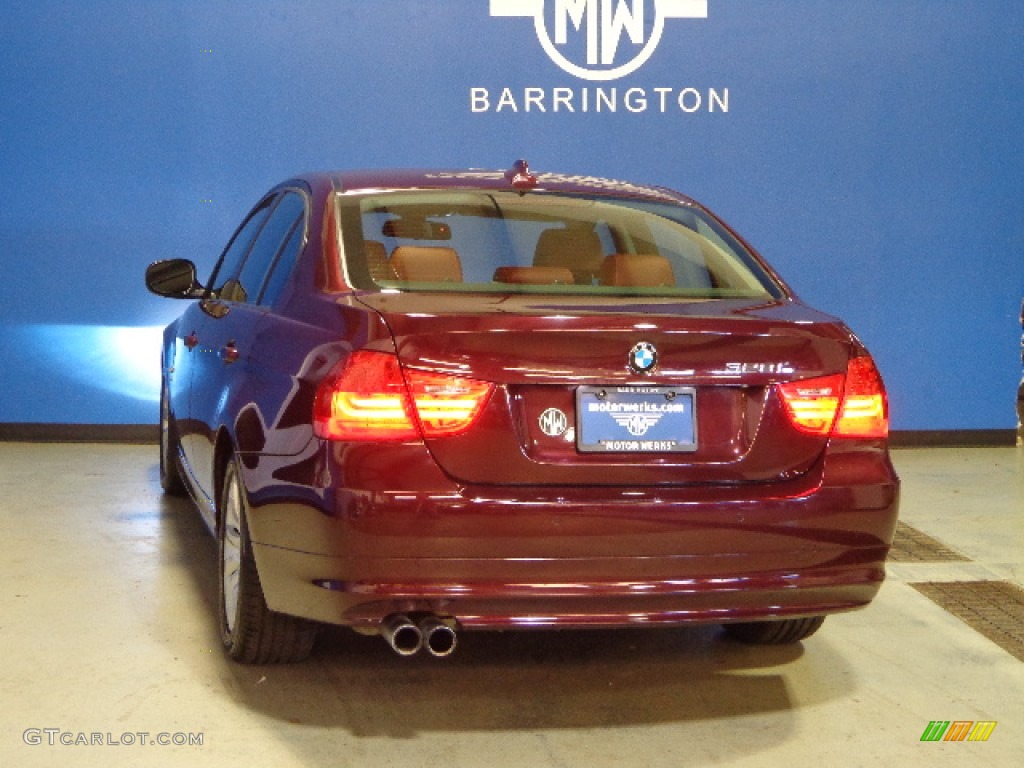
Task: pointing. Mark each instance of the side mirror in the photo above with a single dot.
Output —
(174, 279)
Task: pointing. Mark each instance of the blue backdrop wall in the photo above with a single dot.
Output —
(871, 150)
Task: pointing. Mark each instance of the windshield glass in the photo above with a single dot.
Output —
(505, 242)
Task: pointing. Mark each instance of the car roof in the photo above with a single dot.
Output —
(355, 181)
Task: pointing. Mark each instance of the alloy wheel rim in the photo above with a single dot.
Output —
(165, 438)
(231, 557)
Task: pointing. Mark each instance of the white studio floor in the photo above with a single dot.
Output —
(107, 632)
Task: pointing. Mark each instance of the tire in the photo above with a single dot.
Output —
(251, 632)
(170, 466)
(782, 632)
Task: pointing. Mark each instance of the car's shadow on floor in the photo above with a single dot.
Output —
(510, 681)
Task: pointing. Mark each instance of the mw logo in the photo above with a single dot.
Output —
(636, 424)
(553, 422)
(599, 26)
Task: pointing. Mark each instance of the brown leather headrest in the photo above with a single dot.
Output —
(578, 250)
(426, 264)
(637, 269)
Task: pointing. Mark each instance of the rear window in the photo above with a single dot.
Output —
(539, 242)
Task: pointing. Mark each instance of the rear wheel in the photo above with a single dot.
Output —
(170, 466)
(250, 631)
(780, 632)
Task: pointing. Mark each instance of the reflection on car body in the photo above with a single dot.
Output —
(417, 403)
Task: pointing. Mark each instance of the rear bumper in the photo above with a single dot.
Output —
(570, 557)
(477, 604)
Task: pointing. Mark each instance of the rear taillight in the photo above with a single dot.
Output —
(446, 405)
(369, 398)
(853, 405)
(812, 403)
(865, 412)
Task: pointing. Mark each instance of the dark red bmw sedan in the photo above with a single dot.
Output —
(421, 402)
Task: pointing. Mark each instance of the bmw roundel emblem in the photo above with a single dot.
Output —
(643, 357)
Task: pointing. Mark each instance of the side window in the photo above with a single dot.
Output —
(282, 267)
(604, 233)
(290, 208)
(231, 260)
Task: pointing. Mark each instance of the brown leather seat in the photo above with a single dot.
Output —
(578, 250)
(426, 264)
(533, 275)
(377, 261)
(646, 270)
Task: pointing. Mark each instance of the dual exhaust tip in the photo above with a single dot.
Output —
(406, 637)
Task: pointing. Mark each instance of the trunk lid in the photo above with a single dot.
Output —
(540, 350)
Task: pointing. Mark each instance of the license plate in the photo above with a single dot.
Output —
(635, 419)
